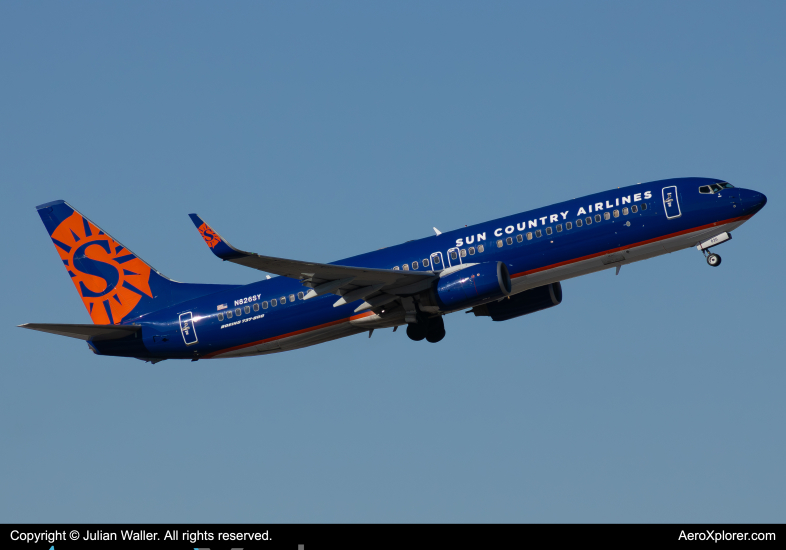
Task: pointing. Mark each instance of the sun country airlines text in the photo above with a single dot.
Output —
(556, 218)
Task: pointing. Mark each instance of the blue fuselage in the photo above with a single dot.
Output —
(538, 246)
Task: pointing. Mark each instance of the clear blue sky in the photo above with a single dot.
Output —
(323, 130)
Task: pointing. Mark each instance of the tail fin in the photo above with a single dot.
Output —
(115, 285)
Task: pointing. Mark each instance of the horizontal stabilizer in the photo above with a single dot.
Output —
(85, 332)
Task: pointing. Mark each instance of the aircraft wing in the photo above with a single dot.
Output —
(85, 332)
(377, 286)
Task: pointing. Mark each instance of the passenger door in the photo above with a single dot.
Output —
(187, 329)
(671, 202)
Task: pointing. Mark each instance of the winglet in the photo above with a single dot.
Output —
(219, 246)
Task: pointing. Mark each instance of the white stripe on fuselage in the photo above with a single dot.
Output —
(632, 254)
(520, 284)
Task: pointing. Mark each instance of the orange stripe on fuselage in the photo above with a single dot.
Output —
(537, 270)
(634, 245)
(287, 335)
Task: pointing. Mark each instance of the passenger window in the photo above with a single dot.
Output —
(247, 309)
(625, 211)
(436, 260)
(644, 206)
(238, 312)
(283, 300)
(256, 307)
(509, 240)
(481, 248)
(463, 253)
(568, 226)
(616, 213)
(559, 228)
(597, 217)
(579, 223)
(634, 208)
(606, 216)
(299, 295)
(499, 243)
(274, 302)
(405, 267)
(453, 255)
(538, 233)
(425, 262)
(529, 235)
(414, 265)
(291, 297)
(220, 316)
(520, 238)
(229, 314)
(588, 219)
(471, 250)
(264, 304)
(548, 231)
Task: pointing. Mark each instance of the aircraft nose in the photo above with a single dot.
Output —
(753, 200)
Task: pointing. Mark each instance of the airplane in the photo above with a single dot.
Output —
(502, 269)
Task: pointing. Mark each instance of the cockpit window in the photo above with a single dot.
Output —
(725, 185)
(713, 187)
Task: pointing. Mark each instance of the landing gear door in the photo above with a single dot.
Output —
(187, 329)
(454, 257)
(436, 261)
(671, 202)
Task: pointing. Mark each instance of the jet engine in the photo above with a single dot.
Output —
(522, 303)
(472, 285)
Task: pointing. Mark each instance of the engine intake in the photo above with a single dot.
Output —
(523, 303)
(472, 285)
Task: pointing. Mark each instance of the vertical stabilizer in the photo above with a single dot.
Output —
(114, 284)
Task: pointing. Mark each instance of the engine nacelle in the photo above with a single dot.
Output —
(472, 285)
(523, 303)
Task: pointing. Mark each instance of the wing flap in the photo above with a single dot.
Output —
(85, 332)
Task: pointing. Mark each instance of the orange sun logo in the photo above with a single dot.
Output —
(209, 235)
(110, 280)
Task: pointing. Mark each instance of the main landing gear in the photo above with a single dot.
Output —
(433, 330)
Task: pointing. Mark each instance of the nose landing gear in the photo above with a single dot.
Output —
(433, 330)
(714, 260)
